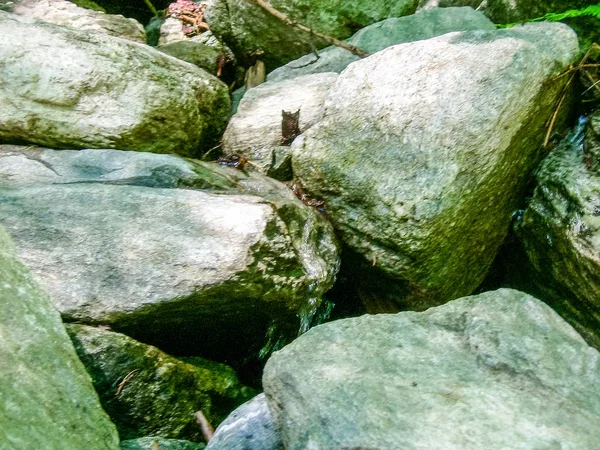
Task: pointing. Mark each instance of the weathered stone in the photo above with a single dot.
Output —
(67, 88)
(386, 33)
(249, 427)
(245, 27)
(148, 443)
(510, 11)
(421, 172)
(149, 393)
(46, 398)
(194, 257)
(560, 233)
(496, 371)
(197, 53)
(63, 12)
(255, 131)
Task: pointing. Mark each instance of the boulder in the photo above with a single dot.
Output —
(560, 233)
(63, 12)
(255, 131)
(245, 27)
(48, 401)
(249, 427)
(149, 443)
(193, 257)
(421, 173)
(149, 393)
(499, 370)
(71, 89)
(380, 35)
(510, 11)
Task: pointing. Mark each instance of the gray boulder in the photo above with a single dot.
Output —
(421, 172)
(510, 11)
(192, 256)
(500, 370)
(245, 27)
(68, 88)
(249, 427)
(255, 131)
(560, 233)
(48, 401)
(149, 393)
(63, 12)
(386, 33)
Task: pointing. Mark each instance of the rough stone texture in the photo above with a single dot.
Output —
(63, 12)
(190, 256)
(46, 397)
(499, 370)
(510, 11)
(197, 53)
(68, 88)
(386, 33)
(420, 173)
(162, 395)
(245, 27)
(560, 232)
(249, 427)
(148, 443)
(255, 130)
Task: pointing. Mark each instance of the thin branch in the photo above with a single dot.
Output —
(330, 40)
(122, 383)
(205, 426)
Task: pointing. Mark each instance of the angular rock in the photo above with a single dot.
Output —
(249, 427)
(68, 88)
(47, 398)
(255, 131)
(560, 233)
(421, 173)
(63, 12)
(149, 393)
(498, 370)
(245, 27)
(194, 257)
(386, 33)
(148, 443)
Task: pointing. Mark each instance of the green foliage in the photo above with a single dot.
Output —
(593, 10)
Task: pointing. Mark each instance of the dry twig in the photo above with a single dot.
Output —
(205, 426)
(329, 39)
(122, 383)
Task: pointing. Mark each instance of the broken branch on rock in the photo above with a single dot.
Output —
(329, 39)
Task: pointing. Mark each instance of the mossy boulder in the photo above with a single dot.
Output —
(67, 88)
(245, 27)
(149, 393)
(194, 257)
(47, 398)
(494, 371)
(421, 172)
(560, 233)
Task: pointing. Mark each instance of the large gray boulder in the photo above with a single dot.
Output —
(64, 12)
(380, 35)
(47, 398)
(63, 87)
(500, 370)
(192, 256)
(255, 131)
(245, 27)
(420, 172)
(149, 393)
(510, 11)
(560, 233)
(249, 427)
